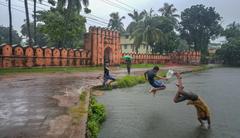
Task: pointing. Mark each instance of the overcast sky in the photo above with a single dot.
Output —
(228, 9)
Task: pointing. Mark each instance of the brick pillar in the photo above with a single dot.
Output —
(39, 56)
(29, 53)
(48, 56)
(18, 56)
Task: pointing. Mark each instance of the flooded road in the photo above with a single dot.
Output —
(27, 106)
(134, 113)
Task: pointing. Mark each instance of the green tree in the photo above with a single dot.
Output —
(41, 39)
(57, 31)
(4, 35)
(230, 52)
(232, 31)
(169, 11)
(73, 5)
(115, 22)
(147, 31)
(136, 17)
(198, 25)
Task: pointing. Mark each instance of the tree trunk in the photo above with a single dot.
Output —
(28, 22)
(10, 22)
(35, 25)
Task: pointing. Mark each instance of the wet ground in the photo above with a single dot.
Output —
(134, 113)
(26, 103)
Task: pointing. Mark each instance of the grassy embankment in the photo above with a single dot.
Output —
(96, 114)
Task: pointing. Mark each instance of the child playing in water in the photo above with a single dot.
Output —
(150, 75)
(107, 76)
(203, 112)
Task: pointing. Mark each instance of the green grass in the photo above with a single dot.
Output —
(129, 81)
(142, 65)
(49, 70)
(96, 116)
(76, 112)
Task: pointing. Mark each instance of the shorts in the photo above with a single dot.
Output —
(158, 84)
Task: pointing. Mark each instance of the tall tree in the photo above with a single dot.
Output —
(169, 11)
(232, 31)
(136, 17)
(28, 22)
(73, 5)
(115, 22)
(56, 30)
(41, 39)
(10, 21)
(198, 25)
(147, 30)
(4, 35)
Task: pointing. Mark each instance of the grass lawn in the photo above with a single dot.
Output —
(142, 65)
(49, 70)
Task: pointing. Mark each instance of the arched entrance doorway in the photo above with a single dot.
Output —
(108, 55)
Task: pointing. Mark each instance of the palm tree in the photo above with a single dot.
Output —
(10, 21)
(73, 5)
(28, 22)
(147, 30)
(115, 22)
(136, 17)
(168, 10)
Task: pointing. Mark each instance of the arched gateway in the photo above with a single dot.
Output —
(104, 45)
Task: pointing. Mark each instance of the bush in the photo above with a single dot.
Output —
(129, 81)
(96, 115)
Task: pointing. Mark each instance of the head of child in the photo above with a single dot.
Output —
(156, 69)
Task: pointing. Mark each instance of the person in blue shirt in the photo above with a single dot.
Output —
(151, 76)
(107, 76)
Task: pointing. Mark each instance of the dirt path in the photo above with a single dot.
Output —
(27, 105)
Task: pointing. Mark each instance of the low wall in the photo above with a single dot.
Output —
(18, 56)
(187, 57)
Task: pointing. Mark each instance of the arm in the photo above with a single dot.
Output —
(180, 83)
(159, 77)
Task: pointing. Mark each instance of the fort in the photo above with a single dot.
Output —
(100, 45)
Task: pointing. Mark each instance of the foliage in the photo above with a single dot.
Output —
(198, 25)
(230, 52)
(141, 65)
(129, 81)
(115, 22)
(96, 115)
(147, 30)
(4, 35)
(232, 31)
(73, 5)
(61, 33)
(41, 39)
(136, 17)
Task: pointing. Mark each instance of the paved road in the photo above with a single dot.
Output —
(134, 113)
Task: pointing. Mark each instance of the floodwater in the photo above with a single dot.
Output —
(27, 106)
(134, 113)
